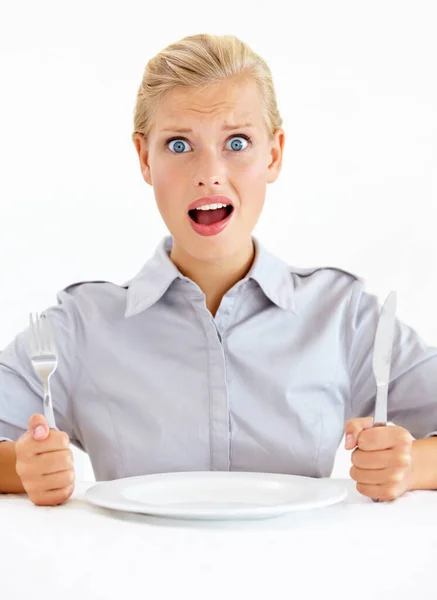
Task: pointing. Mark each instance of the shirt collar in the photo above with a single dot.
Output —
(274, 277)
(271, 273)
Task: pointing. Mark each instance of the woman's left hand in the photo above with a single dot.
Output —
(382, 459)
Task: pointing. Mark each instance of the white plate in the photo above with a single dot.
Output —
(216, 494)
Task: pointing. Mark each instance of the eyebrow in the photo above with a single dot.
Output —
(186, 130)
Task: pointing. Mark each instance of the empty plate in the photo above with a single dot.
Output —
(216, 494)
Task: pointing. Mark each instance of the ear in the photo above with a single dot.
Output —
(143, 154)
(275, 155)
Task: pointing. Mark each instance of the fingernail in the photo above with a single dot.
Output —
(39, 432)
(350, 440)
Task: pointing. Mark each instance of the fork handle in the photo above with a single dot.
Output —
(48, 409)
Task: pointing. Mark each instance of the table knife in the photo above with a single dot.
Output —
(382, 351)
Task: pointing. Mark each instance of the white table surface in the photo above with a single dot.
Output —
(353, 550)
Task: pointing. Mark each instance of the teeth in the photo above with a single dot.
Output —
(211, 206)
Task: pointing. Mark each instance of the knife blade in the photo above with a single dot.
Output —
(381, 362)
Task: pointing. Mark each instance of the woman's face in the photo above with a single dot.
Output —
(205, 144)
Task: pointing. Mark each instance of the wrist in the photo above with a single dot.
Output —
(423, 471)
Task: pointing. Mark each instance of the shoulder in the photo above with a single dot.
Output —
(325, 289)
(91, 287)
(94, 296)
(324, 276)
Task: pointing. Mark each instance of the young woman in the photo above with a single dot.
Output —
(217, 355)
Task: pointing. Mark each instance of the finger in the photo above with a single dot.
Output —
(52, 498)
(39, 427)
(378, 476)
(379, 492)
(384, 438)
(50, 482)
(56, 481)
(26, 447)
(380, 459)
(44, 464)
(53, 462)
(353, 428)
(57, 440)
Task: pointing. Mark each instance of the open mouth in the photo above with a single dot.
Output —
(210, 216)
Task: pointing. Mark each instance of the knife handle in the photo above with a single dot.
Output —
(378, 425)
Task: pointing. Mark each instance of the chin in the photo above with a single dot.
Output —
(210, 249)
(217, 247)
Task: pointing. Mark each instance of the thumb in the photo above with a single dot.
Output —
(353, 428)
(38, 427)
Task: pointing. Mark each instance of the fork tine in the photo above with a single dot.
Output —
(45, 342)
(32, 338)
(39, 334)
(51, 346)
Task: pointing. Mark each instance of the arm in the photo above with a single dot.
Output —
(40, 464)
(21, 390)
(10, 482)
(412, 393)
(424, 462)
(388, 460)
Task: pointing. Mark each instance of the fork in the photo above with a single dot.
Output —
(43, 358)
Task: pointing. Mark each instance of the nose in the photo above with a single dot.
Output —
(209, 172)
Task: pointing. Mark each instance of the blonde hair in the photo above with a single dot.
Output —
(198, 61)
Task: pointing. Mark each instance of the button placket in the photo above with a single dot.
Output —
(218, 396)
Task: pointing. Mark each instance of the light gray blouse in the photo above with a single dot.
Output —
(148, 381)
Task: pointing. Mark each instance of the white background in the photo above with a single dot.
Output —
(356, 86)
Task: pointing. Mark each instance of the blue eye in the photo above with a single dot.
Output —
(178, 147)
(236, 141)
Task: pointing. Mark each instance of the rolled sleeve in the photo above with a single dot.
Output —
(21, 390)
(412, 395)
(9, 432)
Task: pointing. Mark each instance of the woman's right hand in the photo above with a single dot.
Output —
(45, 463)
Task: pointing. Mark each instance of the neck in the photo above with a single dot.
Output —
(215, 278)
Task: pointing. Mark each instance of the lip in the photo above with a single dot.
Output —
(210, 200)
(213, 229)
